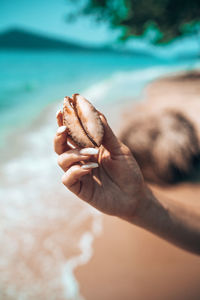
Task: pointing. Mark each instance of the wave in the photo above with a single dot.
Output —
(129, 84)
(46, 232)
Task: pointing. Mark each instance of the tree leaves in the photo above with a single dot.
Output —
(168, 18)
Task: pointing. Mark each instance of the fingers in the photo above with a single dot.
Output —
(67, 159)
(73, 171)
(60, 140)
(59, 117)
(74, 174)
(110, 141)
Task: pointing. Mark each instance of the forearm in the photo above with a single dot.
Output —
(176, 222)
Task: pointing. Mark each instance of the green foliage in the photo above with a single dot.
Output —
(167, 19)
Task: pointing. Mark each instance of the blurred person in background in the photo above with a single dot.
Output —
(115, 186)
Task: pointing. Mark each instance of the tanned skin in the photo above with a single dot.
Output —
(113, 183)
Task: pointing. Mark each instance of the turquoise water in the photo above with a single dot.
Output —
(29, 81)
(41, 221)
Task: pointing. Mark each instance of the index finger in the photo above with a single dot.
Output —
(60, 140)
(59, 118)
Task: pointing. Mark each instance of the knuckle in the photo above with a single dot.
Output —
(60, 161)
(64, 179)
(73, 156)
(126, 150)
(70, 175)
(55, 146)
(74, 169)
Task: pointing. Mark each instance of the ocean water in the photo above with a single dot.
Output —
(46, 232)
(29, 81)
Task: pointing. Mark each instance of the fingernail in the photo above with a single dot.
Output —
(90, 166)
(89, 151)
(58, 113)
(61, 129)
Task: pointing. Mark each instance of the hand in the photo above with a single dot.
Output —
(114, 186)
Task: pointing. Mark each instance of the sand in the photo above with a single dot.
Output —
(130, 263)
(36, 243)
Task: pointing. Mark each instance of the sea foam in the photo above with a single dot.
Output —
(46, 232)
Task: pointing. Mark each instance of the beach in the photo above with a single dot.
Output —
(131, 263)
(54, 246)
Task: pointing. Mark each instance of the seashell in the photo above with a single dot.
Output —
(83, 122)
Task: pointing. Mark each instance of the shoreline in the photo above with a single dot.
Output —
(124, 259)
(131, 263)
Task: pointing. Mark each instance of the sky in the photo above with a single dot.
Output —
(48, 16)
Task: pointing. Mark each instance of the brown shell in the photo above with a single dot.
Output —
(83, 122)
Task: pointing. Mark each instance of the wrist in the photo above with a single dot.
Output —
(142, 207)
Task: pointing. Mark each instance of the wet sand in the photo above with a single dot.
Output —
(37, 243)
(130, 263)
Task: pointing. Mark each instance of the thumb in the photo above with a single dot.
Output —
(110, 141)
